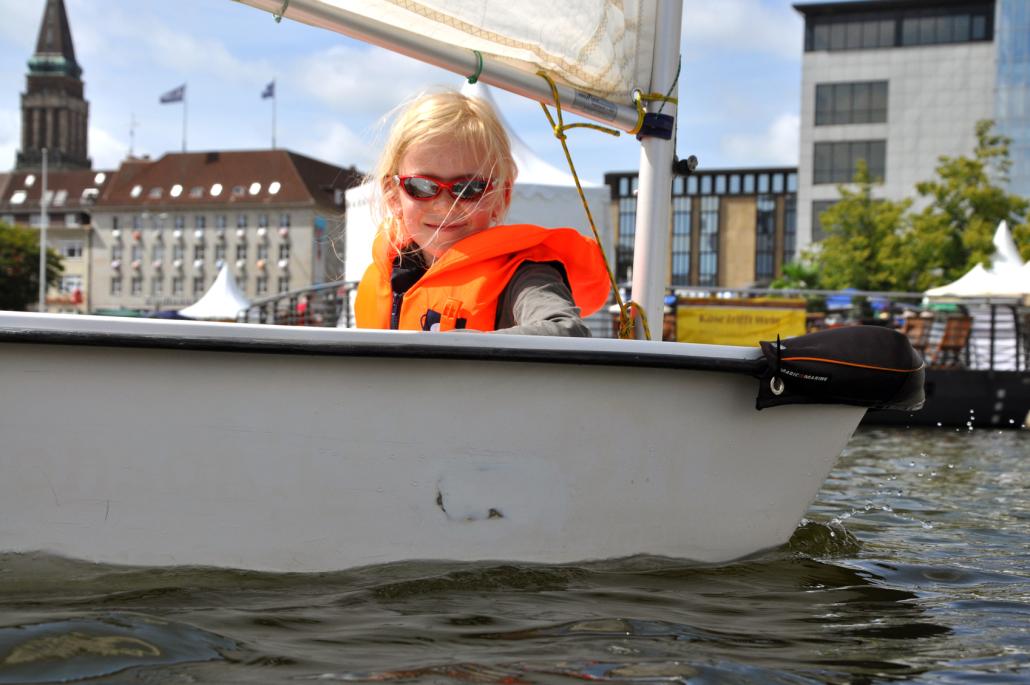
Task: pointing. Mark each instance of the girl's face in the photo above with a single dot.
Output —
(438, 223)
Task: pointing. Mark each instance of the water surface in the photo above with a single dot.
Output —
(912, 565)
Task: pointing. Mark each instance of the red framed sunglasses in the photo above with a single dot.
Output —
(427, 187)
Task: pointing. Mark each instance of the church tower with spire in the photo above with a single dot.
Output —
(55, 115)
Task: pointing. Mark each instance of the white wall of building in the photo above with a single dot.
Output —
(936, 94)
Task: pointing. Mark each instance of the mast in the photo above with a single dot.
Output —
(651, 243)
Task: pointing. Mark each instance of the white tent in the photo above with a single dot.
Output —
(222, 301)
(1006, 276)
(542, 195)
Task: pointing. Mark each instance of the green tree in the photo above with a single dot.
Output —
(967, 201)
(863, 238)
(19, 267)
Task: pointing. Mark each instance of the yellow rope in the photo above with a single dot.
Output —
(625, 314)
(640, 98)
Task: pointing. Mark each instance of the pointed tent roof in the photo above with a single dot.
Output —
(55, 53)
(532, 168)
(1006, 254)
(1007, 275)
(222, 301)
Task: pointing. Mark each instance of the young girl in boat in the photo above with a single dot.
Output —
(442, 261)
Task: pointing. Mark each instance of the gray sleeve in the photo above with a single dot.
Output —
(537, 302)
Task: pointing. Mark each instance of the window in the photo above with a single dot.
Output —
(198, 251)
(70, 283)
(177, 252)
(262, 251)
(18, 197)
(284, 221)
(790, 228)
(180, 221)
(239, 191)
(262, 285)
(241, 221)
(137, 221)
(154, 193)
(198, 285)
(681, 240)
(177, 285)
(137, 252)
(199, 221)
(284, 284)
(708, 254)
(860, 102)
(735, 184)
(116, 285)
(777, 183)
(158, 252)
(220, 221)
(749, 184)
(284, 250)
(765, 239)
(114, 222)
(220, 252)
(262, 221)
(157, 286)
(197, 191)
(818, 207)
(116, 251)
(763, 183)
(901, 27)
(241, 250)
(72, 249)
(136, 285)
(835, 162)
(627, 237)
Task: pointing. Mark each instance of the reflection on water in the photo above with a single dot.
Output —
(911, 565)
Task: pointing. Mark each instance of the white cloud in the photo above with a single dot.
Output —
(340, 145)
(742, 25)
(106, 151)
(778, 145)
(10, 137)
(365, 81)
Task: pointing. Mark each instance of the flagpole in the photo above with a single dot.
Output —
(184, 118)
(44, 222)
(273, 114)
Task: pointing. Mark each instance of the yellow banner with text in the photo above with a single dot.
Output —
(738, 322)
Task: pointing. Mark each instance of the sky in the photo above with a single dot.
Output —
(739, 87)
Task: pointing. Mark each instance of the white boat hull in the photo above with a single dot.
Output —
(143, 451)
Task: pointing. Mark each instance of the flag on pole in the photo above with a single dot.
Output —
(269, 91)
(174, 95)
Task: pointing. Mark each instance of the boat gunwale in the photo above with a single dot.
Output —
(376, 348)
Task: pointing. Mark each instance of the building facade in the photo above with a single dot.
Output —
(162, 230)
(898, 83)
(71, 197)
(729, 227)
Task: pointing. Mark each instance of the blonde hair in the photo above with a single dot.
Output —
(446, 115)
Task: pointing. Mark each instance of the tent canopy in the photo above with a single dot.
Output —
(1007, 275)
(222, 301)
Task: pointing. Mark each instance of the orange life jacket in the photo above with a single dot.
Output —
(462, 288)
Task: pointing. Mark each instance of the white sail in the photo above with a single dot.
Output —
(603, 47)
(597, 52)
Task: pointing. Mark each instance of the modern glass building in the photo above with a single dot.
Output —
(898, 83)
(1012, 98)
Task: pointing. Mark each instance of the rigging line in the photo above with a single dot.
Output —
(625, 316)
